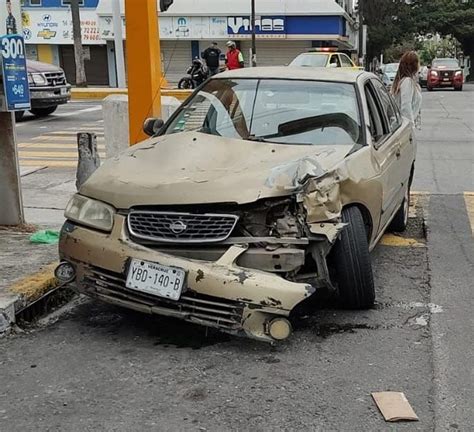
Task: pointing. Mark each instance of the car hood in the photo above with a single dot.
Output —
(39, 67)
(195, 168)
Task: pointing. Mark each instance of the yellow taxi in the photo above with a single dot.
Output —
(324, 57)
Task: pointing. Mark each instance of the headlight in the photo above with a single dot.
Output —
(434, 73)
(458, 73)
(39, 79)
(89, 212)
(30, 79)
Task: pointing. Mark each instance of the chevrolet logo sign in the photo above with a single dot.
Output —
(46, 34)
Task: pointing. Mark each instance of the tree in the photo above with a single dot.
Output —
(447, 17)
(389, 23)
(81, 79)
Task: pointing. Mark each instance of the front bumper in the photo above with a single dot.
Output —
(217, 294)
(44, 97)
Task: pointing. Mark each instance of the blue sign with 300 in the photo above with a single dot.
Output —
(15, 73)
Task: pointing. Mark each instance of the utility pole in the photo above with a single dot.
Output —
(118, 42)
(143, 65)
(254, 36)
(81, 80)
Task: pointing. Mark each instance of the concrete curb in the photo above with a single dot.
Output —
(25, 292)
(102, 93)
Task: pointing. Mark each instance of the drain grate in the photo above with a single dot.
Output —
(49, 302)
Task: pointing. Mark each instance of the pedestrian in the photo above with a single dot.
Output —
(406, 90)
(212, 57)
(233, 58)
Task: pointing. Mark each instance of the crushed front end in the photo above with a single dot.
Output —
(245, 267)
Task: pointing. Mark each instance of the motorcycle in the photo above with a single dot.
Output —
(198, 73)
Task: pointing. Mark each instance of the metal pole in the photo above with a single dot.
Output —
(361, 33)
(11, 203)
(118, 41)
(254, 41)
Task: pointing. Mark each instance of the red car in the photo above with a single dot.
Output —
(445, 72)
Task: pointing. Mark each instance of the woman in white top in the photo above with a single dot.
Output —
(405, 88)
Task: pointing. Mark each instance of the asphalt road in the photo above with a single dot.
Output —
(93, 367)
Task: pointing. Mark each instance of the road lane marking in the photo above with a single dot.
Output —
(61, 138)
(45, 146)
(397, 241)
(44, 154)
(61, 115)
(469, 200)
(49, 163)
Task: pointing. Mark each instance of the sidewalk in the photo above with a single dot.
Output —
(27, 268)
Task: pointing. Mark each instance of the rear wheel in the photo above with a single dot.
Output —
(43, 112)
(400, 221)
(350, 259)
(186, 83)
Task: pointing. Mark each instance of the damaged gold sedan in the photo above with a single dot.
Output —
(266, 186)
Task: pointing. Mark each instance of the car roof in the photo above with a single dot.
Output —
(296, 73)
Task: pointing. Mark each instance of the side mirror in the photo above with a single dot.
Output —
(429, 66)
(462, 67)
(152, 126)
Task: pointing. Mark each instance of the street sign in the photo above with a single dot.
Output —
(15, 73)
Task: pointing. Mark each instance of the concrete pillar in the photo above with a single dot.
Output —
(11, 205)
(116, 124)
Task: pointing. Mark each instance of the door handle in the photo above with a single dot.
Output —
(398, 153)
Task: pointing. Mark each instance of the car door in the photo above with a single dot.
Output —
(346, 62)
(385, 154)
(401, 138)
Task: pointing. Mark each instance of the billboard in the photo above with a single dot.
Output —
(10, 17)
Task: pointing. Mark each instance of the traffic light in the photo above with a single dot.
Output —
(165, 4)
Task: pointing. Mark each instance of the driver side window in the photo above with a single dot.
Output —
(335, 62)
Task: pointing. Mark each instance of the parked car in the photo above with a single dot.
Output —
(423, 76)
(265, 187)
(324, 57)
(445, 72)
(48, 89)
(389, 72)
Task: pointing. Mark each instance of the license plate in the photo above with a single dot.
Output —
(64, 92)
(156, 279)
(446, 79)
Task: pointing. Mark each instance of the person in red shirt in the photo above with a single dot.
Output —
(233, 58)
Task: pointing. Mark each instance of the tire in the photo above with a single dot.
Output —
(400, 221)
(19, 115)
(429, 88)
(350, 259)
(458, 88)
(43, 112)
(186, 84)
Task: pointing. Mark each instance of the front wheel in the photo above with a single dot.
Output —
(350, 259)
(458, 88)
(429, 88)
(186, 84)
(43, 112)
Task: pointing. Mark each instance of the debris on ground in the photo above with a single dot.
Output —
(394, 406)
(45, 237)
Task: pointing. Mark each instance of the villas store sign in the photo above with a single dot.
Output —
(263, 25)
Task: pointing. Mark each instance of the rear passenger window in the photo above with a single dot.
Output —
(391, 110)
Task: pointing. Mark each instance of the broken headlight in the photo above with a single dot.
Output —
(91, 213)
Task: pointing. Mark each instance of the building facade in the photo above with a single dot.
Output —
(284, 29)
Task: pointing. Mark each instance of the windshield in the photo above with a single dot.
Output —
(279, 111)
(391, 68)
(311, 60)
(449, 63)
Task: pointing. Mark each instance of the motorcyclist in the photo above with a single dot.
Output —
(233, 58)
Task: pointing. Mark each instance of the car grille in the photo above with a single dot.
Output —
(55, 78)
(447, 74)
(181, 227)
(194, 307)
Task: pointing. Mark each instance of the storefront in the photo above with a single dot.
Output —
(284, 29)
(49, 38)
